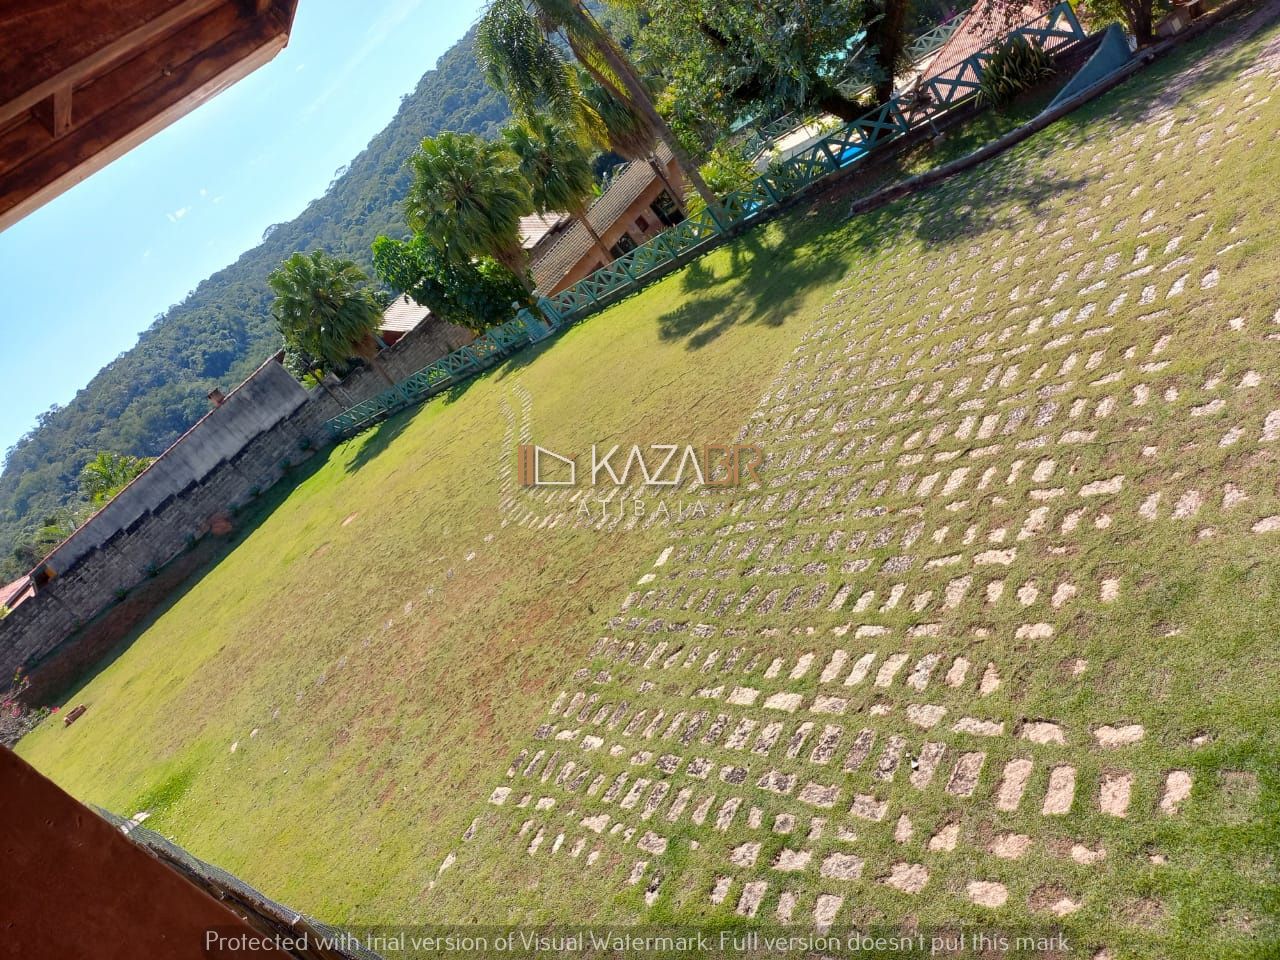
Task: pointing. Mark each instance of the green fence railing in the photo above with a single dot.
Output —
(759, 136)
(1053, 32)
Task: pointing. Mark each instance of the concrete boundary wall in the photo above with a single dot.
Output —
(237, 451)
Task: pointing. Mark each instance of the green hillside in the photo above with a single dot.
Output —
(141, 401)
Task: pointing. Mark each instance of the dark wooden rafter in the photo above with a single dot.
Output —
(68, 119)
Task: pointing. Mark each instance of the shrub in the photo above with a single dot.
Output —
(725, 171)
(1015, 67)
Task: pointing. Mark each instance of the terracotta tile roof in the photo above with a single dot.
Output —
(12, 594)
(535, 227)
(986, 22)
(403, 315)
(575, 243)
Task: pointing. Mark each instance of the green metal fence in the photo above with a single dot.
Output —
(1053, 32)
(760, 135)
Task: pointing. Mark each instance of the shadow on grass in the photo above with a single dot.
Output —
(769, 271)
(214, 550)
(380, 436)
(812, 245)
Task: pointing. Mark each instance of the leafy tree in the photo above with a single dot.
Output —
(726, 170)
(219, 334)
(475, 294)
(619, 129)
(727, 57)
(557, 168)
(1138, 16)
(55, 528)
(509, 34)
(108, 473)
(325, 308)
(516, 59)
(467, 199)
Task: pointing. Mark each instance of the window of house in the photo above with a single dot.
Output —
(624, 245)
(665, 209)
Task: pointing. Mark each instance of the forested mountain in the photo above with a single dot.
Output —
(140, 402)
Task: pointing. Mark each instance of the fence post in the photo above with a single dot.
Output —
(716, 212)
(1070, 15)
(545, 308)
(772, 194)
(534, 328)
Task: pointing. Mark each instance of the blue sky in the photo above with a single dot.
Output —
(82, 276)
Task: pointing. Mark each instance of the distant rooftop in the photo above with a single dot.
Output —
(12, 594)
(403, 315)
(535, 227)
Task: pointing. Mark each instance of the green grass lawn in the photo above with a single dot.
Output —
(1021, 420)
(370, 671)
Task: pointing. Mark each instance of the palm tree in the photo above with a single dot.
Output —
(467, 199)
(518, 58)
(324, 307)
(108, 473)
(618, 128)
(557, 168)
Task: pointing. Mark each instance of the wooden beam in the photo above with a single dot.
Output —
(98, 140)
(61, 110)
(105, 56)
(54, 113)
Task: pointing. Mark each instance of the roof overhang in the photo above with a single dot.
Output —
(84, 81)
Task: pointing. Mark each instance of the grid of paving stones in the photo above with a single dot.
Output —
(822, 684)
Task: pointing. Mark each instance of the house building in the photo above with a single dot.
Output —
(12, 594)
(539, 231)
(637, 204)
(401, 316)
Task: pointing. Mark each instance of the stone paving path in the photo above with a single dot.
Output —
(838, 658)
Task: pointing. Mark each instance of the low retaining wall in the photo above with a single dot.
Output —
(126, 559)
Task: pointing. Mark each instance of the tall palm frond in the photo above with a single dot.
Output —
(108, 473)
(325, 307)
(595, 50)
(467, 198)
(557, 168)
(518, 59)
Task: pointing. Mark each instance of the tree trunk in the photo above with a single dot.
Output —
(320, 376)
(580, 214)
(1141, 16)
(660, 169)
(888, 36)
(367, 349)
(517, 262)
(832, 102)
(638, 97)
